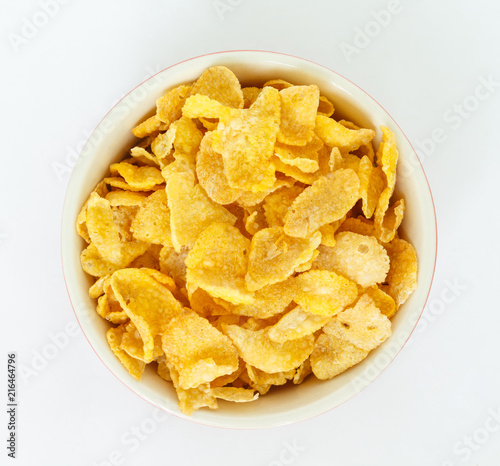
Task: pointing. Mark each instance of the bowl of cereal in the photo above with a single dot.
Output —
(248, 239)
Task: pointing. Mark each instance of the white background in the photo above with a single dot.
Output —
(437, 402)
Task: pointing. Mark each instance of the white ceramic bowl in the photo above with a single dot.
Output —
(110, 142)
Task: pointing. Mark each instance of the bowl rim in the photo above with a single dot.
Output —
(276, 423)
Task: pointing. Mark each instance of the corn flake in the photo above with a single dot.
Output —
(162, 146)
(97, 288)
(328, 232)
(299, 105)
(332, 356)
(278, 84)
(305, 158)
(372, 183)
(277, 203)
(296, 324)
(402, 276)
(169, 106)
(133, 345)
(324, 293)
(187, 140)
(138, 178)
(359, 225)
(133, 365)
(210, 172)
(109, 308)
(96, 265)
(325, 107)
(382, 300)
(201, 106)
(197, 350)
(296, 173)
(204, 304)
(192, 399)
(81, 221)
(149, 259)
(259, 377)
(142, 156)
(334, 134)
(267, 301)
(258, 350)
(326, 200)
(102, 230)
(274, 256)
(120, 183)
(191, 210)
(362, 325)
(148, 304)
(167, 281)
(147, 127)
(360, 258)
(174, 264)
(125, 198)
(218, 263)
(302, 371)
(392, 220)
(387, 158)
(229, 378)
(220, 83)
(162, 368)
(238, 395)
(246, 143)
(152, 222)
(250, 95)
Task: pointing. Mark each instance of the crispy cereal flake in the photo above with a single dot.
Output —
(362, 325)
(134, 366)
(296, 324)
(332, 356)
(197, 350)
(148, 304)
(334, 134)
(220, 84)
(387, 158)
(191, 210)
(246, 143)
(324, 293)
(152, 222)
(218, 263)
(360, 258)
(326, 200)
(274, 256)
(402, 276)
(258, 350)
(299, 105)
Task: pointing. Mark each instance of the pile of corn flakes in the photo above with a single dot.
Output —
(249, 240)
